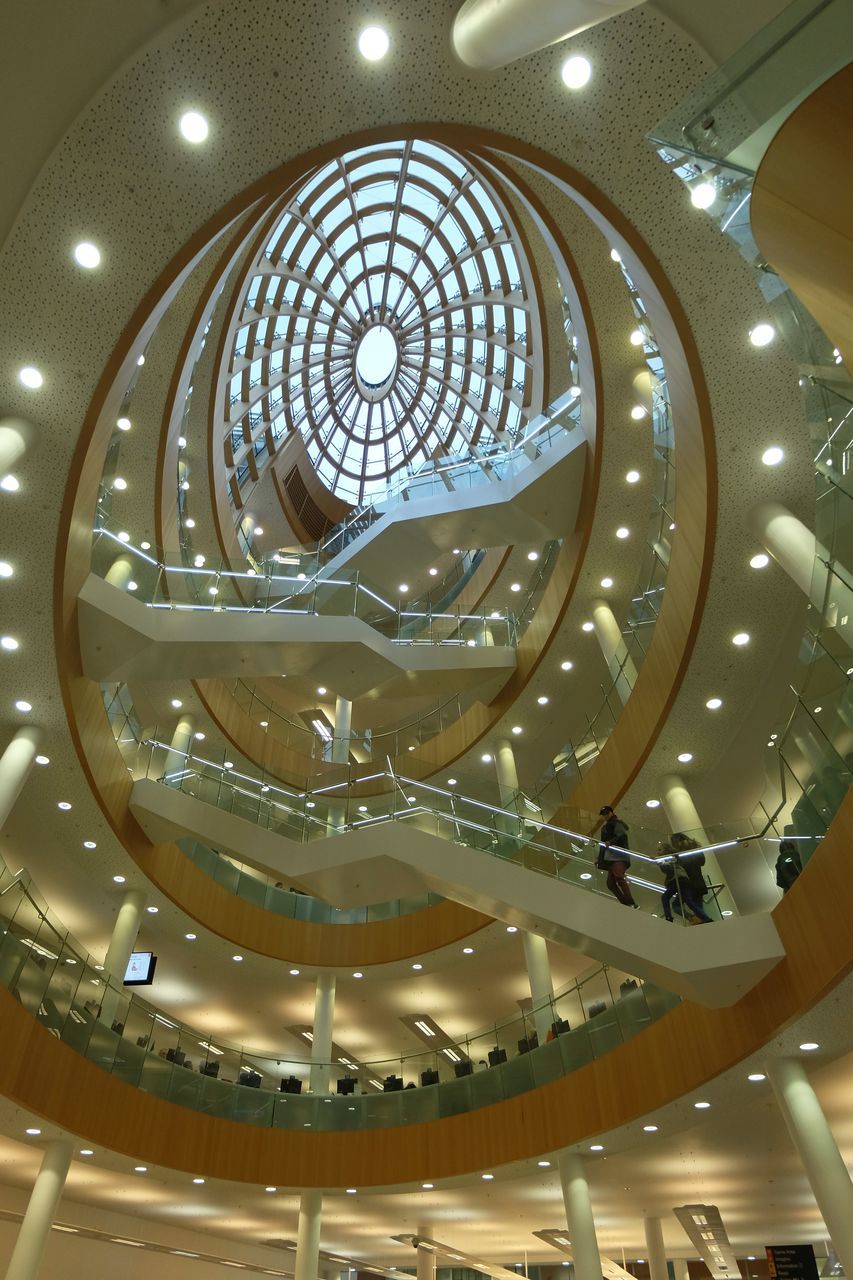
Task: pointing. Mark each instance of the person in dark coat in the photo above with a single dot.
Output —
(613, 856)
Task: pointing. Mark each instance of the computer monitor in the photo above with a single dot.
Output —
(346, 1085)
(140, 969)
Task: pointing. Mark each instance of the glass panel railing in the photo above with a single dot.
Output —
(146, 1047)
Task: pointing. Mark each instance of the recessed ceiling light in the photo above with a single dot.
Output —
(488, 1177)
(542, 700)
(87, 1151)
(119, 879)
(427, 1186)
(30, 377)
(515, 586)
(773, 456)
(576, 72)
(467, 951)
(544, 1164)
(511, 928)
(140, 1168)
(638, 412)
(133, 586)
(33, 1133)
(237, 959)
(42, 759)
(259, 533)
(607, 583)
(623, 533)
(176, 703)
(193, 126)
(586, 875)
(64, 805)
(714, 704)
(351, 1191)
(485, 757)
(809, 1046)
(740, 639)
(596, 1146)
(756, 1076)
(403, 588)
(417, 966)
(23, 705)
(374, 43)
(615, 255)
(10, 484)
(701, 1106)
(650, 1128)
(182, 444)
(89, 844)
(123, 536)
(653, 804)
(87, 255)
(358, 974)
(265, 724)
(632, 477)
(516, 729)
(684, 757)
(574, 390)
(185, 484)
(587, 626)
(451, 782)
(190, 937)
(152, 911)
(533, 555)
(120, 483)
(189, 523)
(9, 643)
(199, 737)
(637, 337)
(703, 195)
(199, 1182)
(818, 710)
(762, 334)
(566, 666)
(6, 569)
(433, 572)
(270, 1188)
(123, 424)
(146, 546)
(199, 561)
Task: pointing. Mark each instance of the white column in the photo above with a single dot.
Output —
(609, 637)
(16, 764)
(343, 728)
(508, 788)
(38, 1219)
(125, 932)
(581, 1223)
(425, 1257)
(321, 1045)
(541, 986)
(655, 1251)
(742, 868)
(825, 1168)
(491, 33)
(680, 1268)
(15, 437)
(120, 572)
(796, 550)
(308, 1235)
(179, 746)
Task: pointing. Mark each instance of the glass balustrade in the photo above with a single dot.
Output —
(122, 1032)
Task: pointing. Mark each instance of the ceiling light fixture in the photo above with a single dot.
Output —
(653, 804)
(467, 951)
(23, 705)
(756, 1076)
(403, 588)
(809, 1046)
(10, 484)
(89, 844)
(566, 666)
(638, 412)
(9, 643)
(177, 704)
(542, 700)
(740, 639)
(193, 127)
(622, 533)
(632, 477)
(6, 570)
(576, 72)
(596, 1146)
(773, 456)
(30, 377)
(703, 195)
(714, 704)
(701, 1106)
(637, 337)
(485, 757)
(607, 583)
(587, 626)
(685, 757)
(119, 879)
(374, 43)
(516, 729)
(761, 335)
(358, 974)
(87, 255)
(123, 424)
(190, 937)
(515, 586)
(650, 1128)
(42, 759)
(65, 805)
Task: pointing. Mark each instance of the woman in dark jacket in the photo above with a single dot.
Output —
(613, 856)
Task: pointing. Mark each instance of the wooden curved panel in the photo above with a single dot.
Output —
(45, 1076)
(801, 205)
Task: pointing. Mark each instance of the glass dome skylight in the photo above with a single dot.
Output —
(386, 321)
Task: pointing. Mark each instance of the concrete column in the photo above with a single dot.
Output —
(609, 636)
(179, 746)
(796, 550)
(581, 1224)
(120, 572)
(321, 1045)
(16, 765)
(308, 1235)
(425, 1257)
(680, 1269)
(655, 1251)
(507, 773)
(25, 1262)
(825, 1168)
(15, 438)
(343, 728)
(489, 35)
(742, 868)
(541, 986)
(125, 931)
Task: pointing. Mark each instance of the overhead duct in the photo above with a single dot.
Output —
(491, 33)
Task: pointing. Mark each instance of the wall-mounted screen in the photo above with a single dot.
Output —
(140, 969)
